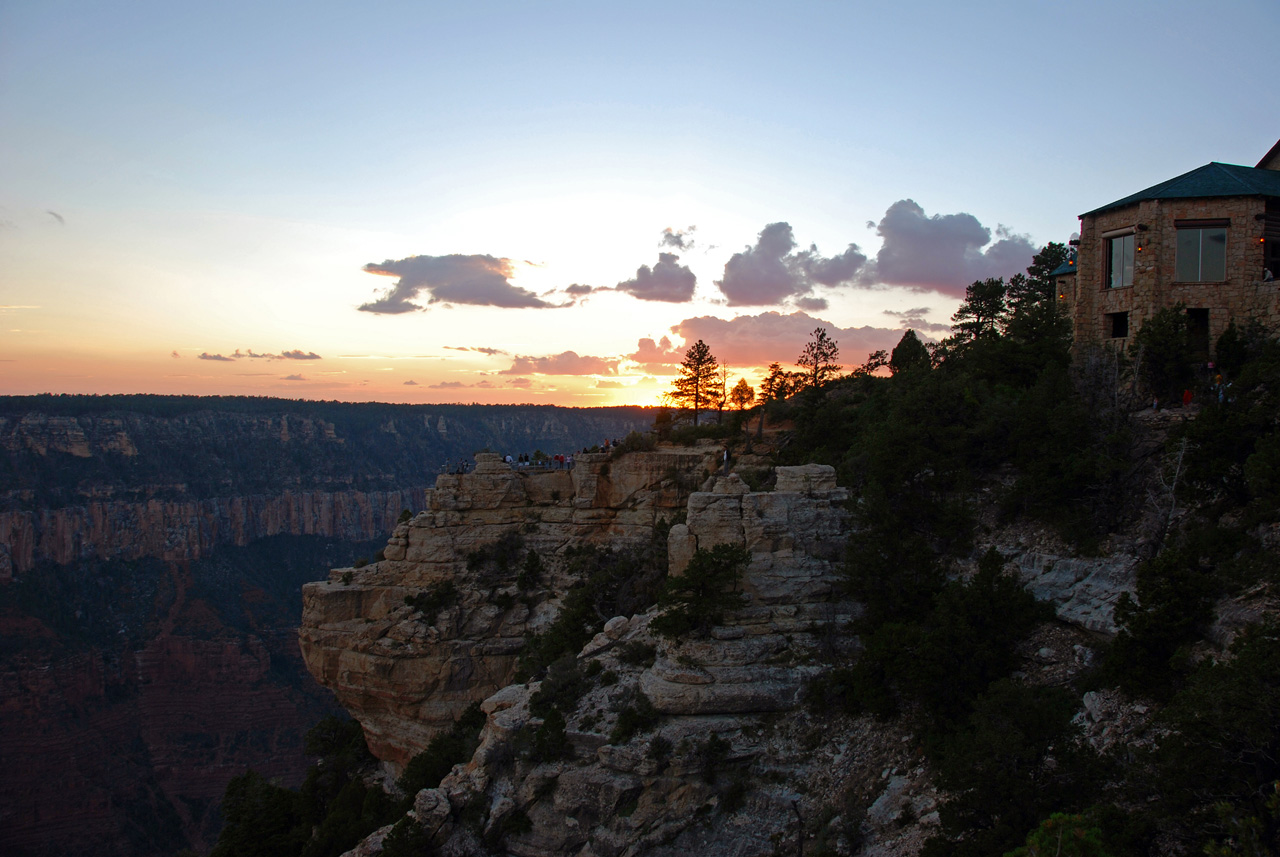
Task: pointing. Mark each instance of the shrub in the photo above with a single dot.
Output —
(696, 600)
(640, 716)
(445, 750)
(431, 601)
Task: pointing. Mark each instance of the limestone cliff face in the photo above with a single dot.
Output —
(178, 531)
(620, 795)
(405, 675)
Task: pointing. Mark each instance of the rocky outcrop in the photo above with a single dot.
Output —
(406, 675)
(1083, 591)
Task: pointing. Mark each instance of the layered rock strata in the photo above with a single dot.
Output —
(406, 675)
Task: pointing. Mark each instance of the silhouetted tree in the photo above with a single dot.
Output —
(909, 353)
(818, 360)
(699, 376)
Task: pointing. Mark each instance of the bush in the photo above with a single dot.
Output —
(696, 600)
(445, 750)
(639, 716)
(431, 601)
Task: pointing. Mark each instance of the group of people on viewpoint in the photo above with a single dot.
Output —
(560, 461)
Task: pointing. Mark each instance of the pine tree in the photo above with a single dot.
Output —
(818, 360)
(699, 378)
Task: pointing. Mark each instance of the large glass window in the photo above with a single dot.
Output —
(1120, 261)
(1202, 255)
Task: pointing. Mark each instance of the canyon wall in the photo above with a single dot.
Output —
(152, 554)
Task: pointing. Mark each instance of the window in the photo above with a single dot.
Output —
(1120, 261)
(1202, 252)
(1117, 325)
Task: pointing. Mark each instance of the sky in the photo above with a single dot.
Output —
(550, 202)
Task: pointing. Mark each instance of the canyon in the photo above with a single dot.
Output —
(152, 555)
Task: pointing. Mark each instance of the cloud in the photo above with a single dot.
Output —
(756, 340)
(446, 385)
(578, 290)
(914, 319)
(454, 279)
(564, 363)
(293, 378)
(205, 355)
(477, 349)
(942, 253)
(811, 304)
(770, 272)
(654, 355)
(56, 216)
(411, 383)
(520, 382)
(485, 384)
(609, 385)
(296, 354)
(680, 239)
(667, 281)
(174, 354)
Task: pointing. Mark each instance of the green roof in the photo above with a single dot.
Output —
(1067, 267)
(1210, 180)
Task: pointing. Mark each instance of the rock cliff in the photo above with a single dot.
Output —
(405, 675)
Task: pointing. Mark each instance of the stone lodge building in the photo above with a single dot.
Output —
(1209, 238)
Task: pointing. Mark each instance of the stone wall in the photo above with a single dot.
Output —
(1242, 296)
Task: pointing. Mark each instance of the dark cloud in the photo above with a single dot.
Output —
(205, 355)
(756, 340)
(578, 290)
(943, 252)
(811, 304)
(837, 270)
(564, 363)
(250, 354)
(476, 348)
(447, 385)
(667, 281)
(293, 378)
(680, 239)
(454, 279)
(654, 355)
(771, 272)
(411, 383)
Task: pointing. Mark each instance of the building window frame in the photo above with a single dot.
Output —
(1117, 325)
(1121, 257)
(1201, 250)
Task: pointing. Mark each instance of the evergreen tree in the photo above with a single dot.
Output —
(818, 360)
(909, 353)
(698, 380)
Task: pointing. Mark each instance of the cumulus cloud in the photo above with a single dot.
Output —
(942, 252)
(205, 355)
(411, 383)
(578, 290)
(456, 279)
(293, 378)
(811, 304)
(756, 340)
(771, 271)
(296, 354)
(666, 281)
(564, 363)
(520, 382)
(655, 355)
(446, 385)
(680, 239)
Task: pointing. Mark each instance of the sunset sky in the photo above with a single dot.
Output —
(548, 202)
